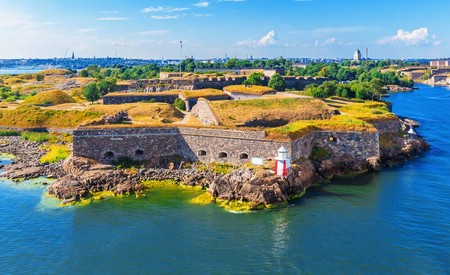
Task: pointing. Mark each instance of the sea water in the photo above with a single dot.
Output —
(395, 221)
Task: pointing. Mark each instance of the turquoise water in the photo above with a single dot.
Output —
(19, 71)
(396, 221)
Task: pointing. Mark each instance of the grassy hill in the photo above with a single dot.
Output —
(250, 90)
(270, 112)
(54, 97)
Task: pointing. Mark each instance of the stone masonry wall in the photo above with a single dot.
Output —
(358, 145)
(202, 111)
(388, 126)
(121, 99)
(213, 145)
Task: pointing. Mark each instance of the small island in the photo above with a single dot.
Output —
(99, 133)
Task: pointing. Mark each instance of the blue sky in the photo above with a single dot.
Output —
(238, 28)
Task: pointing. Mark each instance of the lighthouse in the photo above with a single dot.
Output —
(283, 163)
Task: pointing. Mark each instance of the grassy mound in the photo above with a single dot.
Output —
(270, 112)
(33, 116)
(355, 116)
(250, 90)
(205, 93)
(301, 128)
(171, 92)
(148, 113)
(56, 72)
(54, 97)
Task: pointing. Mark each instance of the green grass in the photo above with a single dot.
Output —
(8, 133)
(205, 93)
(55, 97)
(251, 90)
(38, 137)
(33, 116)
(55, 153)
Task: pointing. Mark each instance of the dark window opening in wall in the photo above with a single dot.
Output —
(201, 153)
(139, 152)
(223, 155)
(109, 155)
(243, 156)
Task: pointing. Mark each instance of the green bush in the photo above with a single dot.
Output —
(318, 154)
(179, 104)
(126, 162)
(37, 136)
(8, 133)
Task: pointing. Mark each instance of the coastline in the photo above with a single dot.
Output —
(80, 178)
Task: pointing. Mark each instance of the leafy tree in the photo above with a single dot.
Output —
(255, 79)
(277, 83)
(107, 85)
(91, 92)
(180, 104)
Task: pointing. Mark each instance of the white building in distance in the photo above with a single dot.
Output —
(357, 55)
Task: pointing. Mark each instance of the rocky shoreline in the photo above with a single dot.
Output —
(80, 177)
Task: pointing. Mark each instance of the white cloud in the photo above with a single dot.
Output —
(166, 17)
(203, 4)
(112, 19)
(83, 30)
(154, 32)
(413, 38)
(163, 9)
(232, 0)
(267, 40)
(203, 15)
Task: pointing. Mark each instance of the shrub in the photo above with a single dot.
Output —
(126, 163)
(55, 153)
(8, 133)
(277, 83)
(318, 154)
(180, 104)
(91, 92)
(37, 137)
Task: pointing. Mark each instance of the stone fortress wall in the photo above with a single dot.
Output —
(213, 145)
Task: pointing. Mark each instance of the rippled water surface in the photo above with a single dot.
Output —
(396, 221)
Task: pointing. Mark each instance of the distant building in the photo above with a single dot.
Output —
(357, 55)
(440, 63)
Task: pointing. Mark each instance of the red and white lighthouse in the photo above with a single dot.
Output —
(283, 162)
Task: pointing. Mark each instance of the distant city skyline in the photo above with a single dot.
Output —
(236, 28)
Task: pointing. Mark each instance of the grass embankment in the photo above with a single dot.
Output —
(266, 112)
(250, 90)
(54, 97)
(355, 116)
(142, 113)
(32, 116)
(204, 93)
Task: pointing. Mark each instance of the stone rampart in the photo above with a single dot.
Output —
(355, 145)
(213, 145)
(299, 83)
(203, 112)
(133, 98)
(387, 126)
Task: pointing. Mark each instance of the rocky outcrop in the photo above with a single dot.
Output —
(260, 187)
(26, 164)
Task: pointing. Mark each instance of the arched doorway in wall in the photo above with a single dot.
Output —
(223, 155)
(243, 156)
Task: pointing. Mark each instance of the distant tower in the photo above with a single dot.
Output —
(73, 55)
(357, 55)
(367, 53)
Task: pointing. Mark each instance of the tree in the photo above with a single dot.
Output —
(91, 92)
(255, 79)
(277, 83)
(107, 85)
(179, 104)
